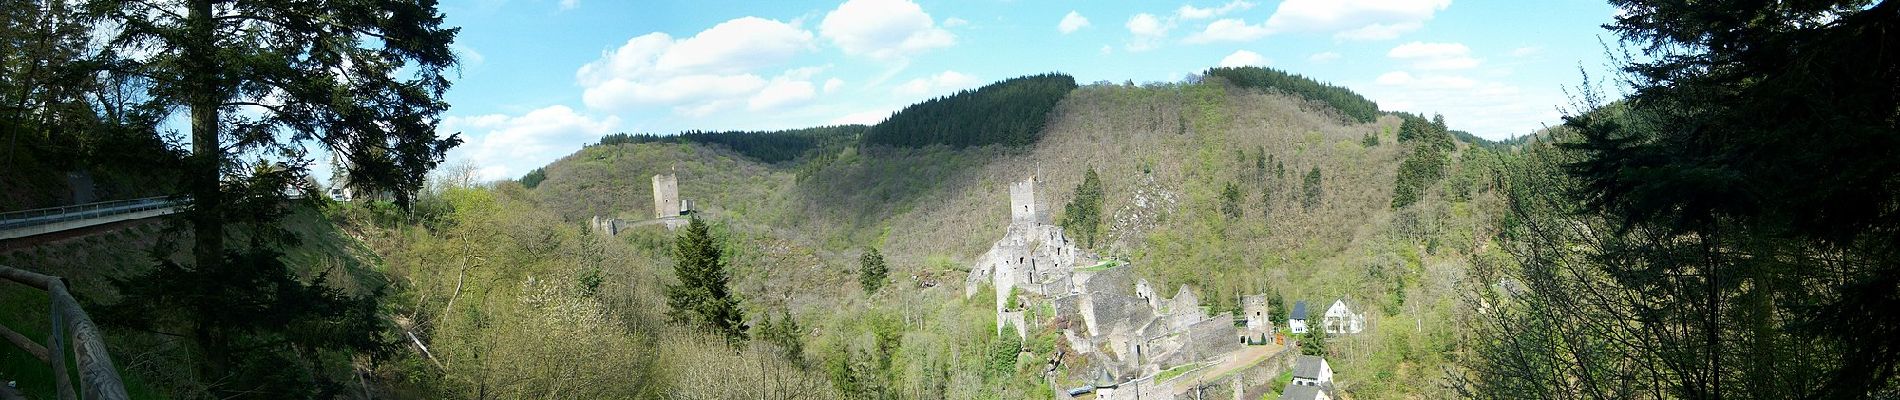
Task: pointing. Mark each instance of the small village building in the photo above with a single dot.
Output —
(1340, 319)
(1296, 392)
(1311, 371)
(1296, 320)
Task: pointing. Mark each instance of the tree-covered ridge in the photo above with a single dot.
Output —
(1352, 105)
(1011, 112)
(765, 146)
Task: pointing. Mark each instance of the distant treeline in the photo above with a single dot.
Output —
(1354, 106)
(765, 146)
(1010, 112)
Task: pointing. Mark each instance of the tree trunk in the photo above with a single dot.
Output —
(206, 156)
(203, 170)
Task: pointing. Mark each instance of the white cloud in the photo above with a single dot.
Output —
(1148, 30)
(1191, 12)
(570, 4)
(953, 22)
(1072, 22)
(1323, 57)
(883, 29)
(1231, 30)
(739, 44)
(1354, 19)
(781, 92)
(1527, 51)
(1243, 58)
(1379, 31)
(503, 146)
(1431, 56)
(935, 85)
(1488, 109)
(833, 84)
(715, 69)
(1106, 49)
(861, 118)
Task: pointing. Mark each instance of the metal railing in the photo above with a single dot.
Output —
(72, 333)
(42, 216)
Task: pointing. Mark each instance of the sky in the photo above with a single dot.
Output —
(541, 78)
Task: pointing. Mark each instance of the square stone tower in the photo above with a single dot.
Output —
(1022, 201)
(666, 195)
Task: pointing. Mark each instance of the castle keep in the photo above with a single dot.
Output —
(1128, 332)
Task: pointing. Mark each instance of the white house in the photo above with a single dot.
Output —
(1340, 319)
(1311, 372)
(1296, 320)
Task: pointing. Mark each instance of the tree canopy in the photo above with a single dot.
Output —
(1730, 227)
(765, 146)
(1010, 112)
(1350, 105)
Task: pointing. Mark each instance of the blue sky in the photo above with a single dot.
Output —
(542, 78)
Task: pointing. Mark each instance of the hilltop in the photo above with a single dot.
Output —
(1205, 185)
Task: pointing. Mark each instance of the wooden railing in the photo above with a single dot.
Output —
(72, 333)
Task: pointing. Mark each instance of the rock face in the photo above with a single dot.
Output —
(1126, 329)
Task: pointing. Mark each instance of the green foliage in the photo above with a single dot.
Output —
(1350, 105)
(253, 324)
(1741, 199)
(1370, 140)
(704, 297)
(533, 178)
(1011, 112)
(871, 270)
(1082, 217)
(1426, 164)
(1311, 189)
(1003, 353)
(785, 333)
(1315, 341)
(1278, 310)
(1230, 201)
(769, 147)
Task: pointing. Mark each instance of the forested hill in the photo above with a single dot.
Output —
(1349, 104)
(1011, 112)
(764, 146)
(1227, 188)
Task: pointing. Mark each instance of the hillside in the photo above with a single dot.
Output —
(1166, 153)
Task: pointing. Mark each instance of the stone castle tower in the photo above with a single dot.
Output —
(1022, 202)
(666, 195)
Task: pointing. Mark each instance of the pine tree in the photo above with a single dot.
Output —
(703, 297)
(871, 270)
(1311, 189)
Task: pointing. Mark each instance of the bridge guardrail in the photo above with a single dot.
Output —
(42, 216)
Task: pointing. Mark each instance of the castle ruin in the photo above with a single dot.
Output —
(666, 195)
(1126, 330)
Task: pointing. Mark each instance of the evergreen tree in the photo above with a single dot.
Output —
(1729, 228)
(1311, 189)
(269, 76)
(871, 270)
(784, 333)
(1082, 217)
(1230, 201)
(1351, 105)
(1315, 342)
(703, 297)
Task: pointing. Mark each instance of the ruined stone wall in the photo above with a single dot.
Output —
(1212, 337)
